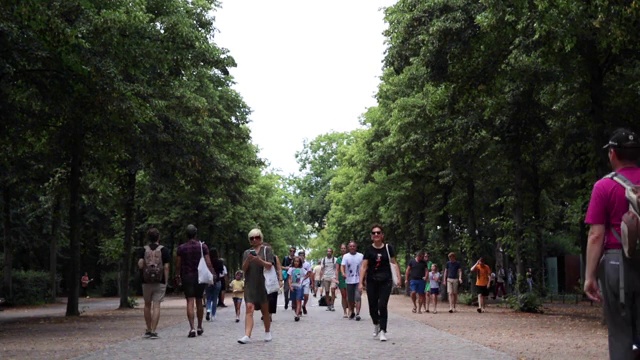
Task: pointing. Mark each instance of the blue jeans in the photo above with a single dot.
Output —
(213, 292)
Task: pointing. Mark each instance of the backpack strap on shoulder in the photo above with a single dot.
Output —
(620, 179)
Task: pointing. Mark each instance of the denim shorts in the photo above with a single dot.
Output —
(297, 293)
(418, 286)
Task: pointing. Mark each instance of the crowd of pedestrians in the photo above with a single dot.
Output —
(348, 276)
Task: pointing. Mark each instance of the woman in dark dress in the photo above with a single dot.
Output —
(254, 260)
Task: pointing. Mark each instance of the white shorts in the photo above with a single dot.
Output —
(305, 289)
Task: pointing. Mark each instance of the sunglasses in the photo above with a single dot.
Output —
(376, 233)
(255, 238)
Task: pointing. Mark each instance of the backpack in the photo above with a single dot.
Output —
(629, 235)
(152, 270)
(333, 261)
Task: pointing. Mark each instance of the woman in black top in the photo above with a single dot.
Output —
(376, 267)
(213, 290)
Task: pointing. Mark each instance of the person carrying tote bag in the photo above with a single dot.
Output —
(255, 261)
(189, 263)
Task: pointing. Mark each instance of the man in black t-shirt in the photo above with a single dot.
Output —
(416, 274)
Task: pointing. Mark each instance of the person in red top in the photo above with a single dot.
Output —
(482, 282)
(604, 255)
(84, 281)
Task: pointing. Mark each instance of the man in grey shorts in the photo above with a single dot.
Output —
(350, 267)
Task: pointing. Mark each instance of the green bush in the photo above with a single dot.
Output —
(466, 298)
(527, 302)
(30, 288)
(110, 284)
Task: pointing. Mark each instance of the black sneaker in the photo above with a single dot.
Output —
(352, 316)
(297, 318)
(304, 310)
(147, 334)
(208, 317)
(358, 318)
(200, 331)
(154, 336)
(192, 334)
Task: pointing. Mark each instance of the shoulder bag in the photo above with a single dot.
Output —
(271, 283)
(394, 269)
(204, 275)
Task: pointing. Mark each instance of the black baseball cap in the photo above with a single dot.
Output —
(623, 138)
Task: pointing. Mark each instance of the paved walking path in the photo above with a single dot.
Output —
(318, 335)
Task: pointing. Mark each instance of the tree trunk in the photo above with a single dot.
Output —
(129, 213)
(443, 219)
(472, 225)
(518, 215)
(7, 288)
(53, 248)
(538, 223)
(73, 281)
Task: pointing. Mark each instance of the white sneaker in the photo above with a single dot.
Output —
(244, 340)
(376, 330)
(383, 337)
(267, 336)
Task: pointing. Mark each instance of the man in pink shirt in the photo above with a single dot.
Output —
(604, 255)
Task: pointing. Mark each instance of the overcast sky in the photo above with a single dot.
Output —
(304, 67)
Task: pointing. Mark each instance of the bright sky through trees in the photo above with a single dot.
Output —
(304, 67)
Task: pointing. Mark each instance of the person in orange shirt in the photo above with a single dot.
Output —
(482, 282)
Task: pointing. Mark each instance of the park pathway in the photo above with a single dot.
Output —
(319, 335)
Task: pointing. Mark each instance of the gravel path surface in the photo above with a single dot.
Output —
(312, 336)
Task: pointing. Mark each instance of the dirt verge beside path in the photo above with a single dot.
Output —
(563, 331)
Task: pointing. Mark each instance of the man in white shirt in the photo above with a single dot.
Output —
(350, 267)
(327, 273)
(306, 283)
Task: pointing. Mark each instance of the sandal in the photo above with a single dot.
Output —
(414, 310)
(192, 333)
(435, 312)
(200, 331)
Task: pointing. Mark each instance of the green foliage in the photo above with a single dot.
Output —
(525, 302)
(109, 285)
(467, 298)
(30, 288)
(110, 281)
(132, 301)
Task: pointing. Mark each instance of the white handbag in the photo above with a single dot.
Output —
(204, 275)
(394, 269)
(271, 283)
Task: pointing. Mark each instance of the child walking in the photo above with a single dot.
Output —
(296, 275)
(237, 289)
(434, 284)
